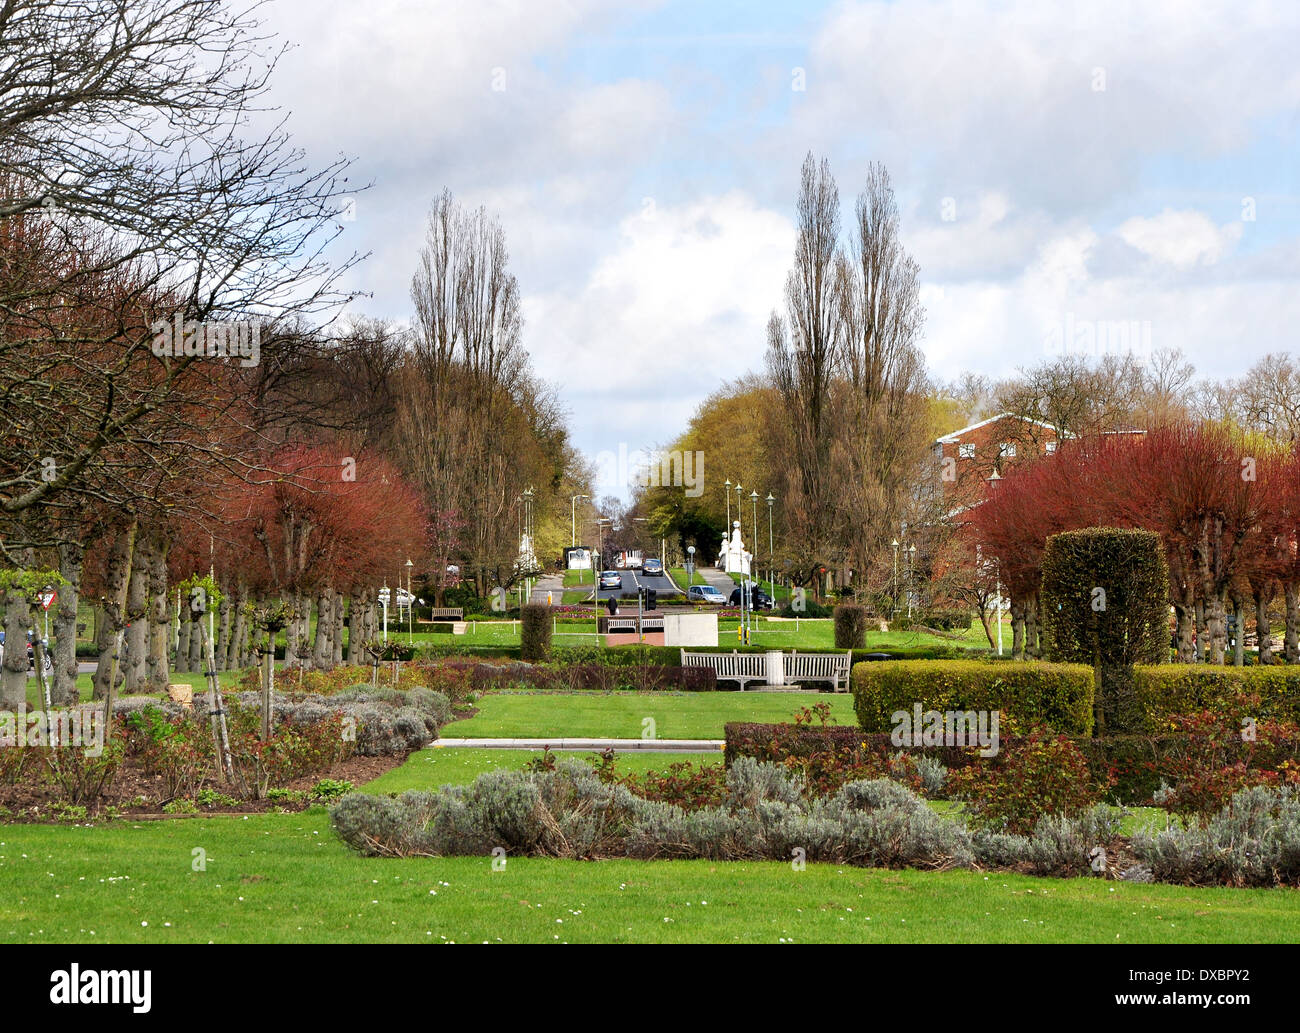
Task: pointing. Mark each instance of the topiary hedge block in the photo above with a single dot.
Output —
(850, 626)
(535, 632)
(1059, 695)
(1164, 690)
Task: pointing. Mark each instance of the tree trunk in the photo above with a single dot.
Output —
(196, 640)
(115, 606)
(183, 644)
(223, 629)
(336, 636)
(1292, 642)
(323, 649)
(112, 616)
(1216, 627)
(1202, 636)
(1017, 628)
(1239, 637)
(1033, 644)
(1263, 633)
(137, 609)
(13, 677)
(160, 615)
(235, 646)
(1186, 618)
(65, 693)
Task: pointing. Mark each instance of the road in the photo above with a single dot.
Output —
(634, 579)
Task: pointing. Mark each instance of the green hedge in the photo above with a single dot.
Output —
(1167, 689)
(1060, 695)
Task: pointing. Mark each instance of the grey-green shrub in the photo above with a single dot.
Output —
(1253, 841)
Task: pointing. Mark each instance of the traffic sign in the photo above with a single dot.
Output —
(47, 598)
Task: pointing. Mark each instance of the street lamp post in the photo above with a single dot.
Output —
(727, 495)
(770, 573)
(894, 543)
(410, 603)
(753, 550)
(690, 563)
(573, 519)
(911, 557)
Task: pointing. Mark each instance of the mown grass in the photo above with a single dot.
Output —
(286, 879)
(432, 768)
(622, 715)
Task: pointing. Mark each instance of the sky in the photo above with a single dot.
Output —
(1083, 175)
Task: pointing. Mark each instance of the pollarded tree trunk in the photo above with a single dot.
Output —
(112, 611)
(160, 615)
(223, 628)
(1216, 627)
(64, 691)
(235, 646)
(1033, 629)
(323, 649)
(1185, 630)
(1017, 628)
(137, 609)
(337, 636)
(198, 661)
(13, 676)
(183, 644)
(1202, 635)
(1239, 638)
(1263, 632)
(1292, 642)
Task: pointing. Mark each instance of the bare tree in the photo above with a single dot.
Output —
(883, 421)
(802, 362)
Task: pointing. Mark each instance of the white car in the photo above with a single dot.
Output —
(404, 598)
(705, 594)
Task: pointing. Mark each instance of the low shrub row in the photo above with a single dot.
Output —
(1058, 695)
(763, 812)
(1129, 769)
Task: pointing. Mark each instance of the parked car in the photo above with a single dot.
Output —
(705, 594)
(611, 579)
(652, 568)
(759, 599)
(31, 652)
(404, 598)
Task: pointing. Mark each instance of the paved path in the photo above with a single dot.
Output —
(624, 745)
(552, 583)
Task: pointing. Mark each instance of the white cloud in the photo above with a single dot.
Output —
(1180, 239)
(677, 303)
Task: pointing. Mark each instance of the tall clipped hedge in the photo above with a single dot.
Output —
(534, 632)
(1059, 695)
(850, 626)
(1105, 599)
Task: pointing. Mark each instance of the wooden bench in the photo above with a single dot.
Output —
(733, 666)
(797, 667)
(814, 667)
(453, 615)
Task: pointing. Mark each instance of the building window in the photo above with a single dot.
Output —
(1050, 447)
(1007, 450)
(965, 451)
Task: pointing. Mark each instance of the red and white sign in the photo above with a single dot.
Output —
(47, 598)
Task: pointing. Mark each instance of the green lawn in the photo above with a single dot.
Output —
(619, 715)
(285, 879)
(429, 769)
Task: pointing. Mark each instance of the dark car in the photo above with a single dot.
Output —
(759, 599)
(652, 568)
